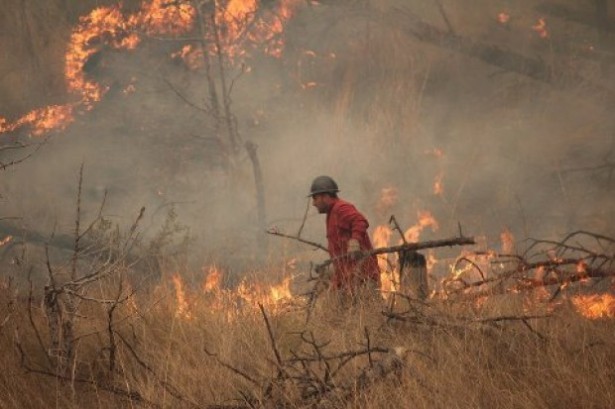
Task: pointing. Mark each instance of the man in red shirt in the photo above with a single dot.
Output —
(347, 238)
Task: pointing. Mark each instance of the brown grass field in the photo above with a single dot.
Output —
(190, 348)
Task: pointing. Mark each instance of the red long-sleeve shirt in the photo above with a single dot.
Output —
(345, 222)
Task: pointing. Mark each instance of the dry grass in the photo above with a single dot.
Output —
(452, 361)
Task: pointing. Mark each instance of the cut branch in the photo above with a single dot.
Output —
(456, 241)
(275, 232)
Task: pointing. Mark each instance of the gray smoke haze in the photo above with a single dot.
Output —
(515, 153)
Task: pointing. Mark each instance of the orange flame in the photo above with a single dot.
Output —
(242, 21)
(108, 27)
(182, 303)
(245, 297)
(191, 56)
(595, 306)
(426, 219)
(280, 292)
(41, 120)
(212, 280)
(164, 17)
(5, 240)
(382, 235)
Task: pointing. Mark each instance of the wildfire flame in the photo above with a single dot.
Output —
(191, 56)
(107, 27)
(232, 302)
(280, 292)
(381, 237)
(42, 120)
(595, 306)
(426, 219)
(212, 279)
(182, 303)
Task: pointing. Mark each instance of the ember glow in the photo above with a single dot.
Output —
(541, 28)
(435, 152)
(507, 240)
(503, 18)
(438, 187)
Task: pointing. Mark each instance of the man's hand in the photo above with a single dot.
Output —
(354, 249)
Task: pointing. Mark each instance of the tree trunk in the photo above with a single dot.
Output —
(413, 274)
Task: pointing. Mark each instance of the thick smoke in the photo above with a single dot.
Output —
(354, 97)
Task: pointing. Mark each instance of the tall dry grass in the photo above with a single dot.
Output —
(202, 357)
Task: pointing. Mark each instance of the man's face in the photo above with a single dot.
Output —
(319, 201)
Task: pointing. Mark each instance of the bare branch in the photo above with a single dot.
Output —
(276, 232)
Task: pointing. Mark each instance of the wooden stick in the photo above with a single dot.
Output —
(275, 232)
(307, 208)
(456, 241)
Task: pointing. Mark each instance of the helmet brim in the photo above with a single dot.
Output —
(322, 191)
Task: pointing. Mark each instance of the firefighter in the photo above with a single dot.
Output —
(347, 239)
